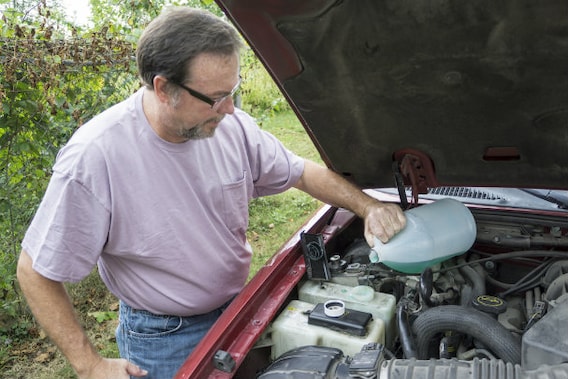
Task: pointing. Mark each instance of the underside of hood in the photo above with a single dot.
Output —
(447, 92)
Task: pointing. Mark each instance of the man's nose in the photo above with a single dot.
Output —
(227, 106)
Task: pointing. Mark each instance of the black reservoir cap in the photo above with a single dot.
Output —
(351, 321)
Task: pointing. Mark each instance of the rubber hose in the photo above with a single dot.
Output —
(404, 334)
(426, 285)
(477, 283)
(468, 321)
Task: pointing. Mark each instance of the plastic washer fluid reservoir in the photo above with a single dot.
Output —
(434, 232)
(291, 329)
(362, 298)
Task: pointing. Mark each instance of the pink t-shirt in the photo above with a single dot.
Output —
(166, 222)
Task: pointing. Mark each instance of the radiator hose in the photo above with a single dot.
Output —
(404, 332)
(468, 321)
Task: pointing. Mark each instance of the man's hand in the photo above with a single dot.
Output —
(383, 220)
(113, 369)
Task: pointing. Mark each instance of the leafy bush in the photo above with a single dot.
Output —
(262, 96)
(51, 81)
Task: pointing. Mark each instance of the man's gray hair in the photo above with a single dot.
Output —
(172, 40)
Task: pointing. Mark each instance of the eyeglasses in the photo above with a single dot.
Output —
(215, 103)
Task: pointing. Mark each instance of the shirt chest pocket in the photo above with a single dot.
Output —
(235, 204)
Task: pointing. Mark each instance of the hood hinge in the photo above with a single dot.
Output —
(414, 168)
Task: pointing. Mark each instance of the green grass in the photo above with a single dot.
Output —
(273, 219)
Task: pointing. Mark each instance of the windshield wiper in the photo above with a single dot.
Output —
(547, 195)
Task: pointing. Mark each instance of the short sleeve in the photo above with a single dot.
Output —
(68, 231)
(274, 167)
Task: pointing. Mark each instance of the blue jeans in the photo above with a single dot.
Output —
(157, 343)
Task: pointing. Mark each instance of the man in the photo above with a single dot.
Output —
(156, 191)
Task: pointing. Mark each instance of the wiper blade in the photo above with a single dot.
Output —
(547, 195)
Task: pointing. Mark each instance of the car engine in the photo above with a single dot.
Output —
(498, 311)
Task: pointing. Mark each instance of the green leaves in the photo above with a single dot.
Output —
(53, 78)
(104, 316)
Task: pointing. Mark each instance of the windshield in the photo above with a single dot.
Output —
(539, 199)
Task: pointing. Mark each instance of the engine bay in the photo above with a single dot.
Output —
(501, 304)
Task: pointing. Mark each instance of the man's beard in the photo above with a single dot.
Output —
(200, 131)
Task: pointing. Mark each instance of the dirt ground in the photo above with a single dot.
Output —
(36, 357)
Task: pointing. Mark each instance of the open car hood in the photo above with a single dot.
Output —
(470, 93)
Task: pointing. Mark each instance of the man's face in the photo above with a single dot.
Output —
(190, 117)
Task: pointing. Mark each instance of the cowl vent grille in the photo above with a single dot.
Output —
(464, 192)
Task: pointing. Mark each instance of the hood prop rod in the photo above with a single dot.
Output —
(399, 182)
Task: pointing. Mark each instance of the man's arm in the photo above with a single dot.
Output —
(382, 220)
(52, 308)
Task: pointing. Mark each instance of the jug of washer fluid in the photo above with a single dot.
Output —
(433, 233)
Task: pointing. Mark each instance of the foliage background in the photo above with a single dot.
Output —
(55, 76)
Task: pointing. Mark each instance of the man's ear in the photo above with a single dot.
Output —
(162, 88)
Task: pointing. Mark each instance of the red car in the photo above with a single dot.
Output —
(416, 101)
